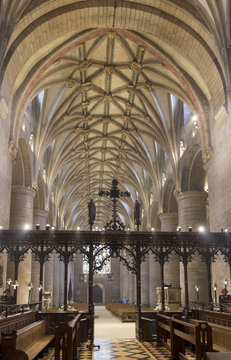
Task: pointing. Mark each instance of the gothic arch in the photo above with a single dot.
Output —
(22, 168)
(193, 174)
(169, 202)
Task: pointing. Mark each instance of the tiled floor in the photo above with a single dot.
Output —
(126, 349)
(117, 349)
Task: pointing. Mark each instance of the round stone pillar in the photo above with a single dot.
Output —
(192, 212)
(154, 280)
(131, 288)
(154, 272)
(145, 282)
(21, 213)
(169, 222)
(40, 217)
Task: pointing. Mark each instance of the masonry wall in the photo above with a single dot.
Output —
(219, 183)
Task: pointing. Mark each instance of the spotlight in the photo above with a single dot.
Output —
(78, 228)
(224, 230)
(190, 228)
(52, 228)
(47, 226)
(37, 226)
(178, 229)
(9, 281)
(26, 226)
(153, 229)
(1, 227)
(194, 117)
(15, 284)
(29, 286)
(201, 229)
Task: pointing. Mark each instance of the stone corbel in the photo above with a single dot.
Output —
(207, 155)
(12, 149)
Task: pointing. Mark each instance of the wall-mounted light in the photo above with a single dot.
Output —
(194, 117)
(78, 228)
(37, 226)
(9, 281)
(224, 230)
(152, 229)
(178, 229)
(15, 284)
(40, 287)
(1, 227)
(197, 291)
(52, 228)
(190, 228)
(30, 286)
(47, 226)
(215, 292)
(110, 277)
(26, 227)
(201, 229)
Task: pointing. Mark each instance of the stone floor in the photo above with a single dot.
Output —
(109, 326)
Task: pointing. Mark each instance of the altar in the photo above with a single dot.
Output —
(172, 297)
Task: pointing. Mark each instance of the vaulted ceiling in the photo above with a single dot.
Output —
(110, 101)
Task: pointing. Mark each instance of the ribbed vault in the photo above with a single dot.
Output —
(107, 88)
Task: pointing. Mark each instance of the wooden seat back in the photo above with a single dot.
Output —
(30, 334)
(67, 337)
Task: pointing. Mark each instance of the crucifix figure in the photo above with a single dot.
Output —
(114, 194)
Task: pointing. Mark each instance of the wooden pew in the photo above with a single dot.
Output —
(67, 339)
(125, 312)
(174, 333)
(217, 356)
(17, 321)
(163, 326)
(221, 328)
(25, 343)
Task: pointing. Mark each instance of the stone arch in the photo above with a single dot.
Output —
(193, 174)
(22, 169)
(155, 220)
(99, 287)
(169, 201)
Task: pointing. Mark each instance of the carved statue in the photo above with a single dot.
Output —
(137, 213)
(91, 211)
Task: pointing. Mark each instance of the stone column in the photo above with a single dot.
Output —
(192, 212)
(22, 199)
(131, 288)
(154, 280)
(169, 222)
(145, 282)
(126, 274)
(56, 297)
(61, 283)
(154, 272)
(40, 217)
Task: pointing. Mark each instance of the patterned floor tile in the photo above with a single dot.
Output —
(117, 349)
(126, 350)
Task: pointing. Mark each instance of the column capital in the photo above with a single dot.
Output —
(192, 195)
(24, 190)
(41, 213)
